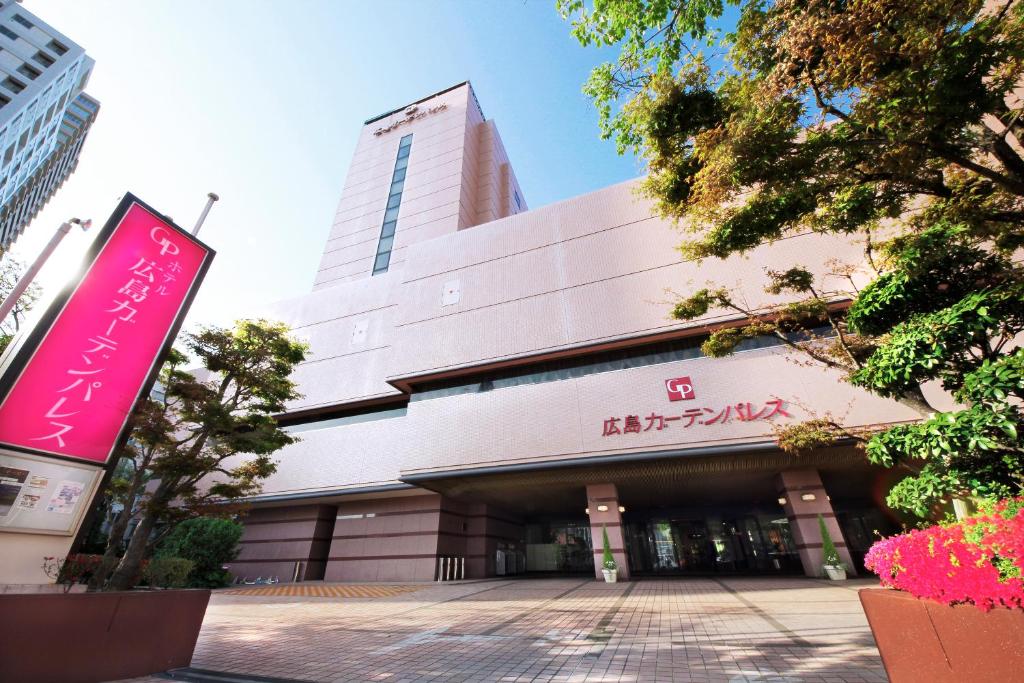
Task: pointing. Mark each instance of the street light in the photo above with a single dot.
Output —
(30, 274)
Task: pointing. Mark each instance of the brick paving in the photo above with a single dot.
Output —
(325, 590)
(703, 630)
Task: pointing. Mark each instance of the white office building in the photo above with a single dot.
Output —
(42, 72)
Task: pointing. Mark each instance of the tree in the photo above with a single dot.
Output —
(183, 453)
(11, 271)
(209, 543)
(893, 122)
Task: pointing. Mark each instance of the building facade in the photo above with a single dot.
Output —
(490, 389)
(42, 77)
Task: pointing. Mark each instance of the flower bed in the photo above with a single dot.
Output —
(978, 561)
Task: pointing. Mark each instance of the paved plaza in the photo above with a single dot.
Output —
(563, 629)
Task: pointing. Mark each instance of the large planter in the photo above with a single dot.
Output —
(924, 640)
(88, 637)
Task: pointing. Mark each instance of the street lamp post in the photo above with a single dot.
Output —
(12, 299)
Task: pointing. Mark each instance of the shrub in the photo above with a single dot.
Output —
(67, 571)
(607, 560)
(168, 572)
(978, 561)
(829, 554)
(209, 543)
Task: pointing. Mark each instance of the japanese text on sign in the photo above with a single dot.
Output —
(74, 395)
(740, 412)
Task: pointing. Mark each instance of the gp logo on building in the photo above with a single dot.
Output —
(679, 389)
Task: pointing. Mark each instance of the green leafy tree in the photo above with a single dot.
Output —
(891, 122)
(11, 271)
(208, 543)
(182, 458)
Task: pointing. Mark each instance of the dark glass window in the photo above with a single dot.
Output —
(41, 57)
(23, 21)
(29, 71)
(13, 84)
(57, 47)
(589, 364)
(387, 230)
(4, 99)
(8, 32)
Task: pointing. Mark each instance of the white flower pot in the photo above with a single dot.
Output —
(835, 573)
(610, 575)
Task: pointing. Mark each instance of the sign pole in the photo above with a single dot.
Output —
(211, 198)
(26, 279)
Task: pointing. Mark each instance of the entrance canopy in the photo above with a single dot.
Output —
(653, 481)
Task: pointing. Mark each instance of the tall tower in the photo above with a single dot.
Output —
(424, 170)
(42, 74)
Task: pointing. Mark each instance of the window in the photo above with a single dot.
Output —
(4, 99)
(37, 125)
(43, 59)
(13, 84)
(387, 230)
(23, 21)
(9, 154)
(63, 99)
(49, 112)
(57, 47)
(23, 140)
(519, 203)
(8, 32)
(29, 71)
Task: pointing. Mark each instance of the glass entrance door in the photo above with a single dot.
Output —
(683, 544)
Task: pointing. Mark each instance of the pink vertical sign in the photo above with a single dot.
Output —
(72, 386)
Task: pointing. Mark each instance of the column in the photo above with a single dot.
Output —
(603, 504)
(806, 498)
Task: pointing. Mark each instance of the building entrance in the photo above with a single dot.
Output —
(562, 546)
(689, 543)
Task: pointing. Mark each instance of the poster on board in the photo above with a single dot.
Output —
(44, 495)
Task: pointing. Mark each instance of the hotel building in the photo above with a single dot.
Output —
(42, 76)
(490, 388)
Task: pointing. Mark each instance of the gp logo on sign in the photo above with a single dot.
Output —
(679, 389)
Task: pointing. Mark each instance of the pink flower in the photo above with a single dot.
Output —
(979, 560)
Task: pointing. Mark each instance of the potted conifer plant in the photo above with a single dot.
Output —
(831, 563)
(608, 566)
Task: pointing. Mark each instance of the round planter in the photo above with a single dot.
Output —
(923, 640)
(835, 573)
(610, 575)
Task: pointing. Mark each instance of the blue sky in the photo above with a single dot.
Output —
(262, 102)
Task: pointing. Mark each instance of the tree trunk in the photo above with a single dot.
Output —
(128, 570)
(113, 551)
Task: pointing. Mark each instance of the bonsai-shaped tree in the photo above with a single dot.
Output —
(206, 442)
(607, 560)
(830, 556)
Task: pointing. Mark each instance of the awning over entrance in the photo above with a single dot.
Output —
(653, 480)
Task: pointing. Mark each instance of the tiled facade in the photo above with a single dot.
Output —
(459, 399)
